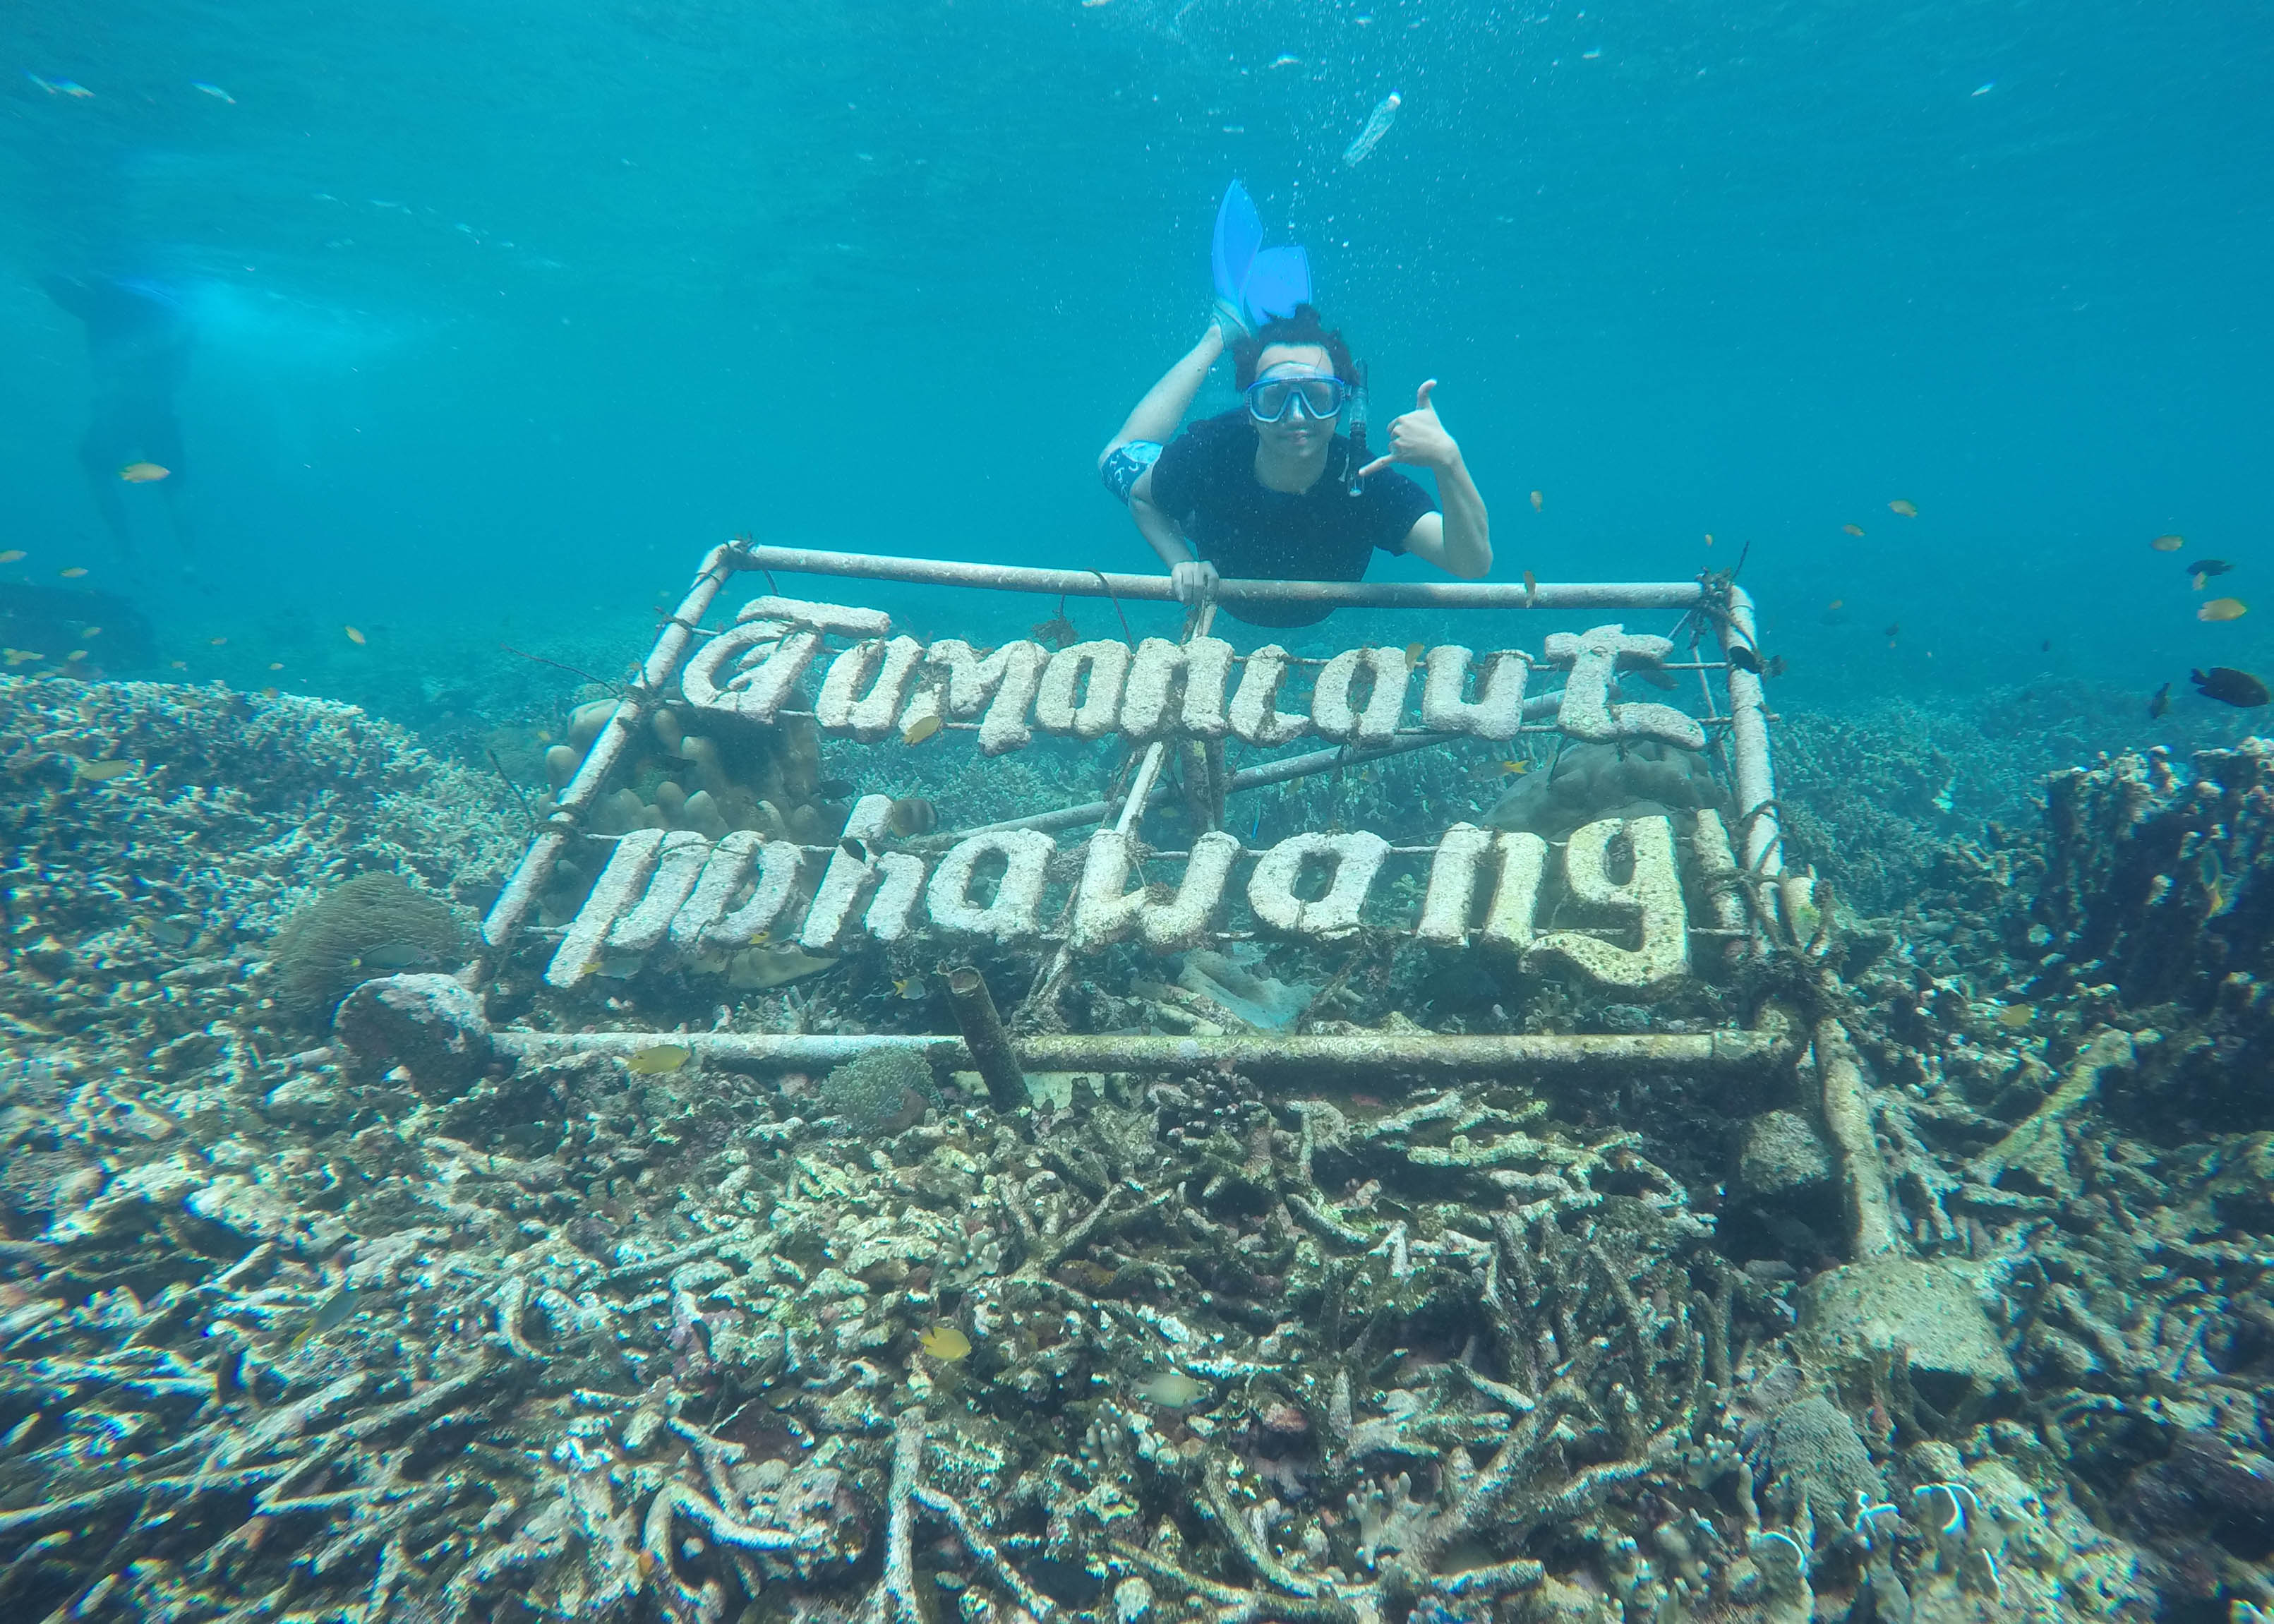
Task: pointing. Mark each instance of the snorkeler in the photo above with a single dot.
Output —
(1270, 491)
(137, 346)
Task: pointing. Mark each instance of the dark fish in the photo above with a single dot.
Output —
(912, 815)
(2230, 686)
(2161, 703)
(853, 849)
(2210, 566)
(1775, 667)
(1892, 629)
(2046, 647)
(834, 789)
(1652, 675)
(1745, 659)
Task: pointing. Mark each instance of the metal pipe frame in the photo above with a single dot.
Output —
(1156, 589)
(1247, 778)
(520, 893)
(1756, 782)
(1761, 852)
(1356, 1054)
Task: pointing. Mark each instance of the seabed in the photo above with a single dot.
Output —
(1588, 1216)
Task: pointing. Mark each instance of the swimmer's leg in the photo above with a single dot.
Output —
(1157, 415)
(100, 459)
(161, 437)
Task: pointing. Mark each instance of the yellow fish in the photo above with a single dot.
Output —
(911, 988)
(275, 665)
(1173, 1390)
(1413, 653)
(355, 637)
(2168, 544)
(1853, 530)
(2014, 1016)
(14, 555)
(1835, 604)
(179, 665)
(920, 730)
(656, 1062)
(2223, 609)
(1502, 768)
(92, 631)
(1709, 538)
(1536, 504)
(944, 1343)
(216, 642)
(2198, 580)
(1531, 583)
(143, 473)
(76, 654)
(104, 771)
(73, 573)
(1908, 509)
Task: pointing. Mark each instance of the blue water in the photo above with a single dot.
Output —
(507, 310)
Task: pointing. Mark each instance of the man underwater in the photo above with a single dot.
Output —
(138, 348)
(1270, 490)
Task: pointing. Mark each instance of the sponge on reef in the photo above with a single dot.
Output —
(1590, 782)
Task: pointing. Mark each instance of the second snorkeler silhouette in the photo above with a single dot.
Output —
(138, 348)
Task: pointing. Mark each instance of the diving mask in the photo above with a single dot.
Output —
(1269, 399)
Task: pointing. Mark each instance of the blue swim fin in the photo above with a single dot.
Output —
(1238, 234)
(1279, 280)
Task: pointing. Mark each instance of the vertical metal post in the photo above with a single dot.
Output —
(983, 1035)
(1133, 808)
(1759, 839)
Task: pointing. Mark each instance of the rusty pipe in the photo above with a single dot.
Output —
(985, 1038)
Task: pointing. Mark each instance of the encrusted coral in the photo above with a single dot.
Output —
(706, 771)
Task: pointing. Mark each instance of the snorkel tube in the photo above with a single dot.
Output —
(1354, 482)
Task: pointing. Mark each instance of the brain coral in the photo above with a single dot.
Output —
(372, 925)
(886, 1089)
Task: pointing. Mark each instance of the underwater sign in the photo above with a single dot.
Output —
(744, 899)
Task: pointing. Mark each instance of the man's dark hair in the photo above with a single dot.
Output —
(1303, 327)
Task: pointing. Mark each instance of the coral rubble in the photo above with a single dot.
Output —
(1940, 1325)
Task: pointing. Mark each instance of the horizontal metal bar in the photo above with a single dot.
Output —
(1246, 778)
(1156, 589)
(1359, 1053)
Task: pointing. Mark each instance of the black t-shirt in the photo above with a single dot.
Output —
(1205, 480)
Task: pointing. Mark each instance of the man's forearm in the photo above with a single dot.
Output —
(1468, 531)
(1160, 533)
